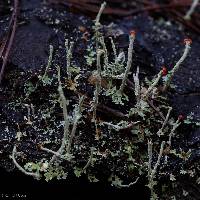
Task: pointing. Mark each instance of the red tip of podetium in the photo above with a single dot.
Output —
(187, 41)
(164, 71)
(180, 117)
(132, 33)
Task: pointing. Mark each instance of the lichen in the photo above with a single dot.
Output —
(77, 136)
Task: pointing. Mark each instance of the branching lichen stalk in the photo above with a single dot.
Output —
(175, 126)
(153, 85)
(57, 154)
(128, 185)
(89, 162)
(160, 132)
(98, 84)
(97, 20)
(35, 175)
(191, 10)
(129, 62)
(105, 50)
(97, 25)
(137, 85)
(150, 145)
(66, 118)
(158, 160)
(114, 50)
(77, 116)
(49, 61)
(152, 172)
(69, 49)
(65, 113)
(177, 65)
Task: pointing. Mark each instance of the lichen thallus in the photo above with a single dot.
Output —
(114, 71)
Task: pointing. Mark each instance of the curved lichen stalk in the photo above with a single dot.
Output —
(191, 10)
(98, 84)
(171, 73)
(129, 62)
(64, 104)
(33, 174)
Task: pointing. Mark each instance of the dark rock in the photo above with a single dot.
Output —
(157, 44)
(30, 49)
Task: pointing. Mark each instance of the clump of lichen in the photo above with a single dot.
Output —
(72, 125)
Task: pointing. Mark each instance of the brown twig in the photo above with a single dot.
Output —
(11, 39)
(173, 8)
(111, 111)
(187, 23)
(102, 108)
